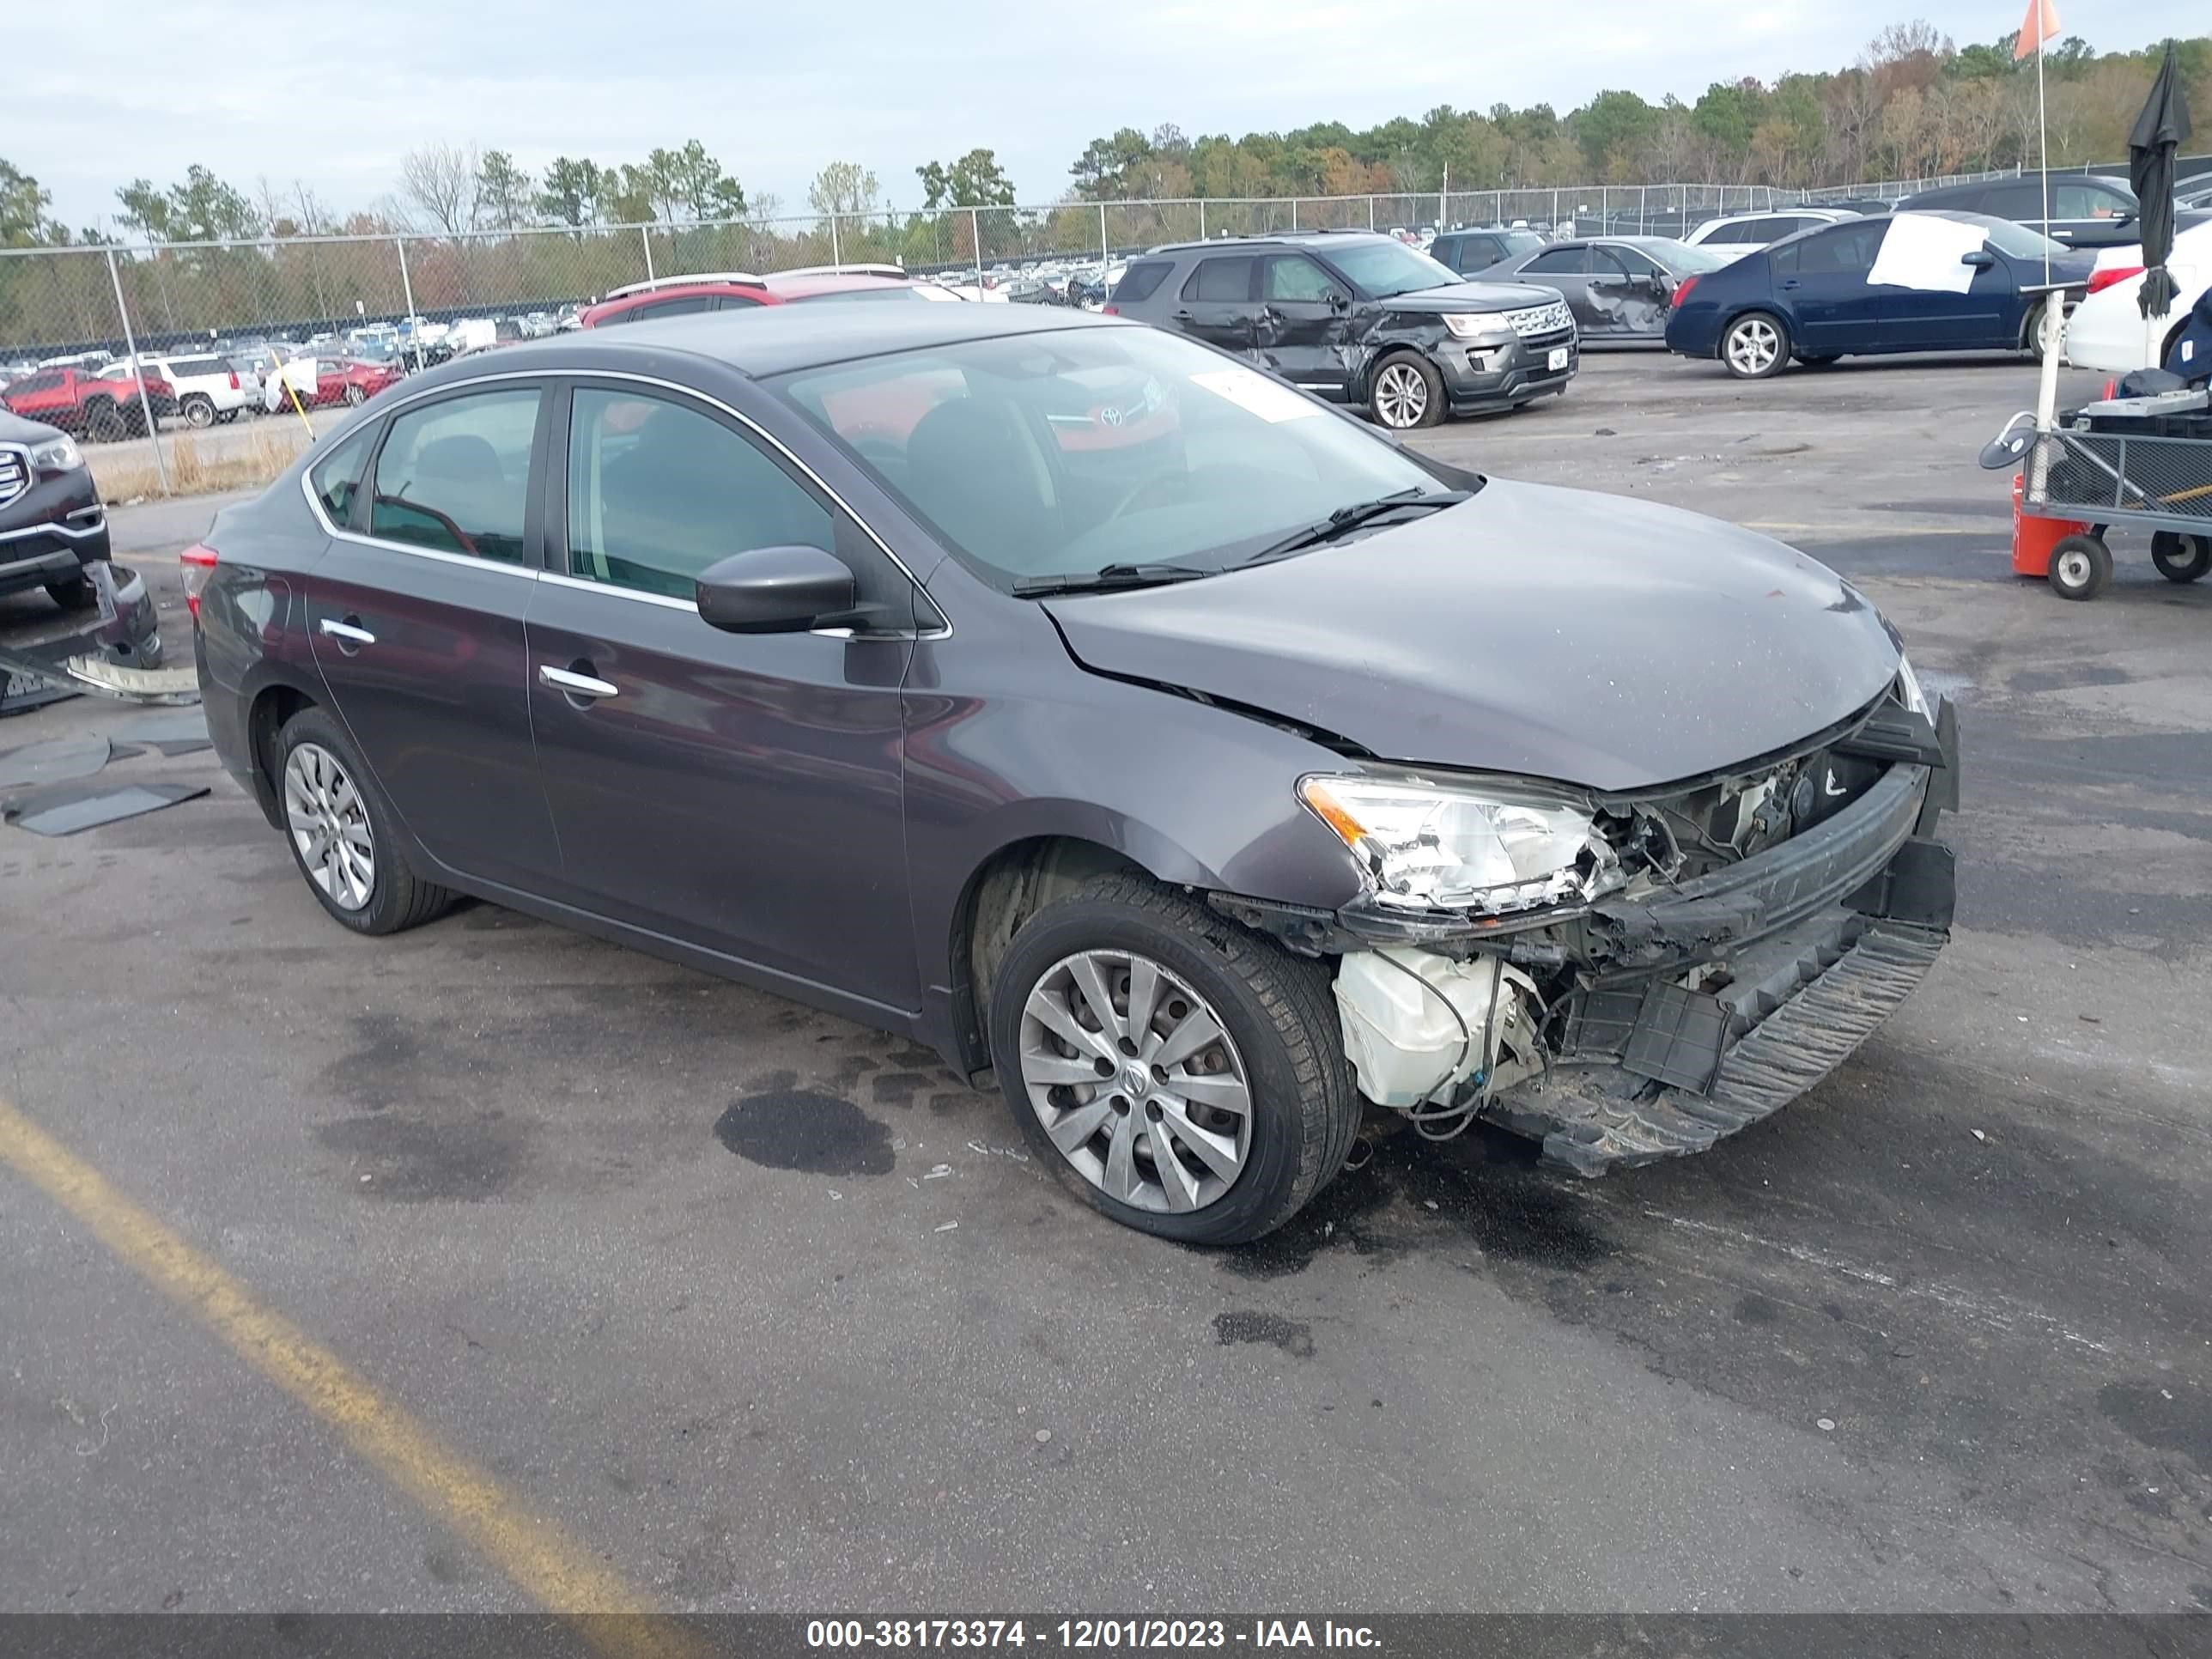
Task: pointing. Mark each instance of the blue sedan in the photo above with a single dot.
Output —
(1810, 297)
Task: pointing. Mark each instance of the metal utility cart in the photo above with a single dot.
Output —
(2140, 462)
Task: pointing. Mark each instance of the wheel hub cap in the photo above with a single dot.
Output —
(329, 825)
(1135, 1080)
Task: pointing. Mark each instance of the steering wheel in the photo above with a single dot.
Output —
(1144, 487)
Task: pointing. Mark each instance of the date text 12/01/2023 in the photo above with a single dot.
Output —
(1081, 1634)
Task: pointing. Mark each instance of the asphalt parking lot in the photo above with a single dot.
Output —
(763, 1310)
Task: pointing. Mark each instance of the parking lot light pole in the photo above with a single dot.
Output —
(1201, 218)
(138, 368)
(975, 240)
(836, 258)
(645, 238)
(407, 290)
(1104, 258)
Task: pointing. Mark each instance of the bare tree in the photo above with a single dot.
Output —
(440, 182)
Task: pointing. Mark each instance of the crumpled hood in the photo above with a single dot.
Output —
(1472, 296)
(1542, 632)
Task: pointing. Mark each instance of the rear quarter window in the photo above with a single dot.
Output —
(1220, 280)
(1141, 280)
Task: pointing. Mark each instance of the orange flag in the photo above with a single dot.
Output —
(2040, 24)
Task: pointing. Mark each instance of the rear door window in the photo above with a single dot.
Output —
(1846, 251)
(454, 476)
(1221, 280)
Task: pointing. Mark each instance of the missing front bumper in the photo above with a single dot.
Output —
(1666, 1072)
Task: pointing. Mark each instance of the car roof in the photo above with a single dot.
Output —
(806, 284)
(1282, 238)
(768, 340)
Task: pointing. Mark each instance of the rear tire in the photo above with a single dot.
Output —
(1274, 1031)
(1406, 393)
(342, 832)
(198, 412)
(1755, 346)
(355, 397)
(103, 423)
(2181, 558)
(2081, 566)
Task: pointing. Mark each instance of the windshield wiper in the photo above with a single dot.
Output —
(1108, 576)
(1346, 520)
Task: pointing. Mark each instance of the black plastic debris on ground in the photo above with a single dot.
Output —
(22, 691)
(53, 761)
(172, 730)
(64, 809)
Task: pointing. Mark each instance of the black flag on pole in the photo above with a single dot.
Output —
(2159, 131)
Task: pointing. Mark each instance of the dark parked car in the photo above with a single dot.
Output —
(2086, 210)
(51, 523)
(1810, 297)
(1618, 286)
(1197, 787)
(1467, 252)
(1360, 318)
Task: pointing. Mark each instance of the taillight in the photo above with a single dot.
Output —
(234, 380)
(198, 561)
(1110, 310)
(1682, 289)
(2111, 277)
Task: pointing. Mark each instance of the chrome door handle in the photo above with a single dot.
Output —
(576, 685)
(347, 634)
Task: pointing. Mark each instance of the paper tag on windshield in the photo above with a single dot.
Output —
(1256, 392)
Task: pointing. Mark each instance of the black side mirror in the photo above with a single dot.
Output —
(1981, 259)
(774, 590)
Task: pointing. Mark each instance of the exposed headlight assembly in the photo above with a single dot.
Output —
(1478, 325)
(1422, 846)
(1908, 687)
(56, 455)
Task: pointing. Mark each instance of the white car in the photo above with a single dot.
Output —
(208, 388)
(1740, 234)
(2107, 331)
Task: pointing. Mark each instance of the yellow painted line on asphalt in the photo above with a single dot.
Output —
(552, 1568)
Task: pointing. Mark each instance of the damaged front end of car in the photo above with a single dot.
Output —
(1632, 977)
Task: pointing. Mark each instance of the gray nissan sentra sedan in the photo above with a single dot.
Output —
(1106, 714)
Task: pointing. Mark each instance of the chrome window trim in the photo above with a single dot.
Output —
(390, 410)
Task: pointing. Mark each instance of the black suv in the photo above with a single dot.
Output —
(1360, 319)
(2086, 210)
(51, 523)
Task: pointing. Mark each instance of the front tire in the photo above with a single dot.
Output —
(73, 593)
(1180, 1074)
(2081, 566)
(355, 397)
(341, 833)
(1407, 393)
(1755, 346)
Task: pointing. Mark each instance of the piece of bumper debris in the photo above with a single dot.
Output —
(53, 761)
(173, 732)
(66, 809)
(130, 629)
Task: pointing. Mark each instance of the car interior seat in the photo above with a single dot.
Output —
(976, 468)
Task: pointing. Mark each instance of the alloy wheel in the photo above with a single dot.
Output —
(1401, 396)
(1752, 345)
(1136, 1081)
(329, 824)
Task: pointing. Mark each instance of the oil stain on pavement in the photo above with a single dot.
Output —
(1293, 1336)
(783, 1127)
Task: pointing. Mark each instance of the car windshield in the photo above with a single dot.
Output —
(1385, 267)
(1063, 454)
(1684, 258)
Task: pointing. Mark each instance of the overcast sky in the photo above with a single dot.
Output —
(103, 91)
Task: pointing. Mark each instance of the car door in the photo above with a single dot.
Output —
(1301, 325)
(2093, 213)
(1567, 268)
(1630, 286)
(1985, 315)
(1215, 303)
(1821, 283)
(415, 617)
(740, 793)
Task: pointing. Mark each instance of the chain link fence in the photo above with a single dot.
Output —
(221, 330)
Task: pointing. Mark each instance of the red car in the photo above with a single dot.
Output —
(104, 406)
(350, 380)
(727, 290)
